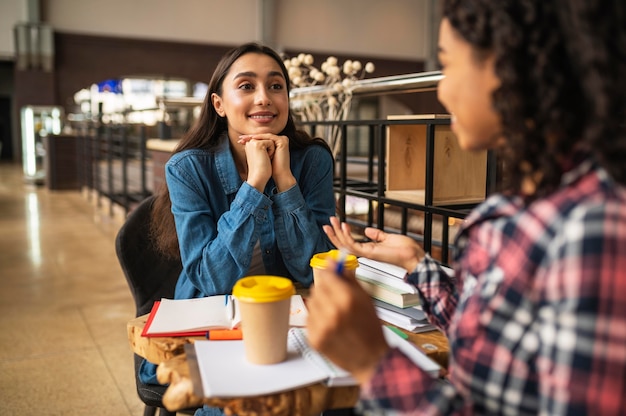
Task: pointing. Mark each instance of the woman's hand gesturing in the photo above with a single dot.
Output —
(396, 249)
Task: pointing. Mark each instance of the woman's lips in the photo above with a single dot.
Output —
(262, 117)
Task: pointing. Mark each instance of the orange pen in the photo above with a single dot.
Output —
(225, 334)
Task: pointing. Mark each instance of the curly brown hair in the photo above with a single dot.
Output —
(206, 133)
(562, 67)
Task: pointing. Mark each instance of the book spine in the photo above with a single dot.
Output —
(384, 268)
(389, 280)
(415, 312)
(388, 294)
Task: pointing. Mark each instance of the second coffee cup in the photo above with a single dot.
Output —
(320, 261)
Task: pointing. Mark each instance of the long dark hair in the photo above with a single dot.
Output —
(562, 67)
(207, 132)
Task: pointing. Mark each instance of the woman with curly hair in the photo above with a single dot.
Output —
(535, 313)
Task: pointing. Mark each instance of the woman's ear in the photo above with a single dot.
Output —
(216, 100)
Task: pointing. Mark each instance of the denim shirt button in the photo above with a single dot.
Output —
(268, 251)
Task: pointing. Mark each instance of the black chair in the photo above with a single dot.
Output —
(150, 277)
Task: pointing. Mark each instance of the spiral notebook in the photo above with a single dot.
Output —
(223, 370)
(220, 369)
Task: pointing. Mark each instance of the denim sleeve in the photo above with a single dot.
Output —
(300, 212)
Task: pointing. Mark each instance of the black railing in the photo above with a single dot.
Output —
(120, 170)
(120, 164)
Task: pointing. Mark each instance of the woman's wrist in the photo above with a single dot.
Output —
(259, 185)
(411, 265)
(283, 184)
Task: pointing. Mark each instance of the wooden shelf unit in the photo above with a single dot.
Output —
(456, 176)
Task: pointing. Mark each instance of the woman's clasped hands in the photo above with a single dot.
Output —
(267, 156)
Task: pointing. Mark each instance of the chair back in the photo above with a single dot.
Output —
(150, 275)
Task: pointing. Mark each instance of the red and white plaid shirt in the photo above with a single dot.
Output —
(536, 313)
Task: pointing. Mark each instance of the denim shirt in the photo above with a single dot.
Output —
(219, 218)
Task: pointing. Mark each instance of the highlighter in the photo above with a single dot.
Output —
(224, 334)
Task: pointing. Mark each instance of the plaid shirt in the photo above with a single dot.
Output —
(536, 314)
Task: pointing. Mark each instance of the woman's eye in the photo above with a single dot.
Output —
(277, 86)
(246, 86)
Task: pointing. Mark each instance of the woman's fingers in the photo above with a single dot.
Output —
(337, 235)
(279, 141)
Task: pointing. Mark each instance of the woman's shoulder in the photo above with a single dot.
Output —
(588, 188)
(190, 156)
(587, 196)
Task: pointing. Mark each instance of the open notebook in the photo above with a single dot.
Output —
(194, 317)
(220, 369)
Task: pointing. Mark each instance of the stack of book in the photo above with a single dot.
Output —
(396, 301)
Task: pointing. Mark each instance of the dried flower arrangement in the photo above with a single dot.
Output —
(331, 99)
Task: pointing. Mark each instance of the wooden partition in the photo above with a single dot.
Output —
(458, 176)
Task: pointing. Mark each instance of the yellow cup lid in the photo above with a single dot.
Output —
(319, 260)
(263, 289)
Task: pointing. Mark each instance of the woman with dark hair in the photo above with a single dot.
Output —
(244, 176)
(246, 192)
(536, 311)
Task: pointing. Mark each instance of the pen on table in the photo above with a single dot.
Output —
(231, 312)
(341, 261)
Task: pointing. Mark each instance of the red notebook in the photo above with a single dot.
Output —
(146, 328)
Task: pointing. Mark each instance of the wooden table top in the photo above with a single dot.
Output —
(169, 354)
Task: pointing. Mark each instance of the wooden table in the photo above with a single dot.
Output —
(169, 354)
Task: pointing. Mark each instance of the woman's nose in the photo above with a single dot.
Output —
(262, 97)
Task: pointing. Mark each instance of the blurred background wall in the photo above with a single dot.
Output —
(52, 49)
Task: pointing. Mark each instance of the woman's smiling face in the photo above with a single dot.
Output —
(254, 96)
(466, 91)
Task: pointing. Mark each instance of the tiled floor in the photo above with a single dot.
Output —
(64, 304)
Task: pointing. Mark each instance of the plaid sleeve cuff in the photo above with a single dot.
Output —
(399, 385)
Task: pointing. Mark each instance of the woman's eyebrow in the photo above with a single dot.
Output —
(254, 74)
(245, 74)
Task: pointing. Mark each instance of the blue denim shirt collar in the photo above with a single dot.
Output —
(225, 166)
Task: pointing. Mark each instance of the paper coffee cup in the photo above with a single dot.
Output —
(264, 303)
(320, 261)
